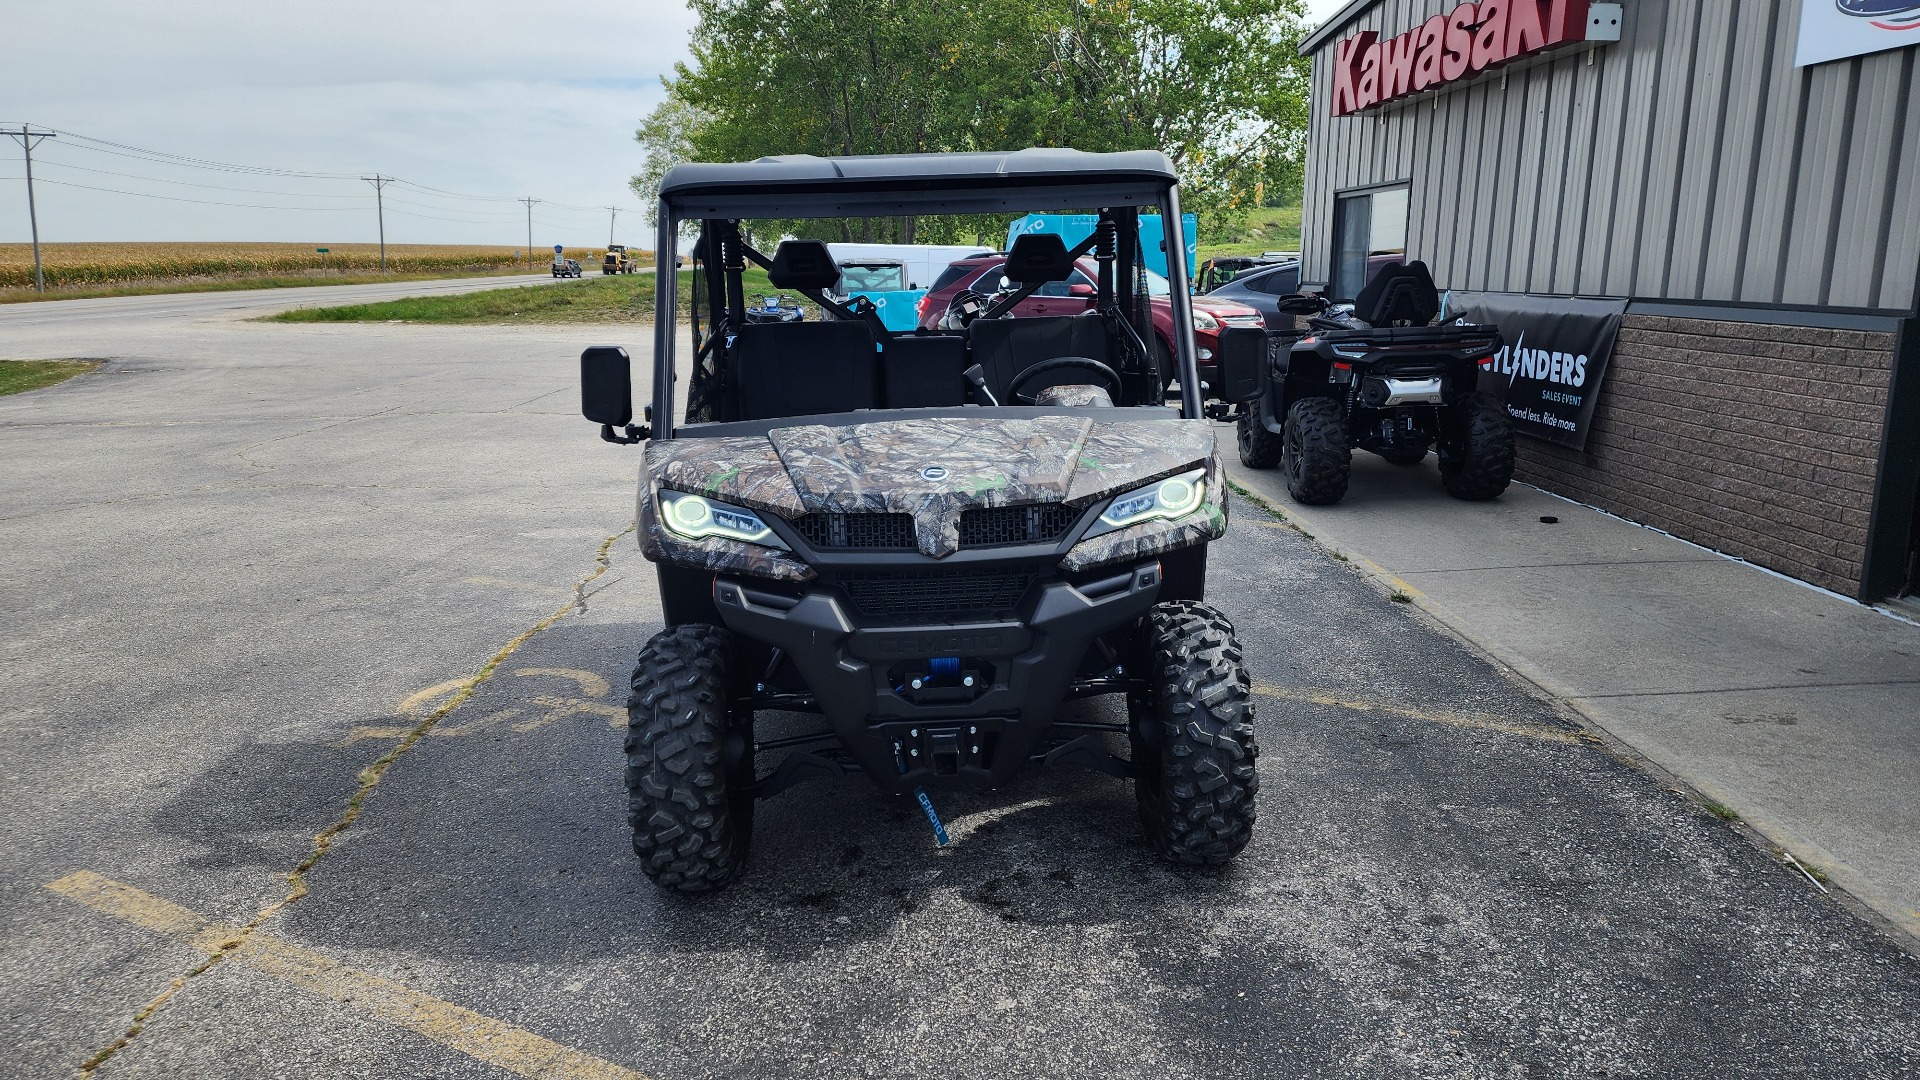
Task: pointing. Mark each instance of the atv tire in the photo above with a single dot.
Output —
(1405, 455)
(687, 762)
(1476, 454)
(1315, 452)
(1259, 448)
(1193, 738)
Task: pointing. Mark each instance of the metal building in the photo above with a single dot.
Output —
(1752, 196)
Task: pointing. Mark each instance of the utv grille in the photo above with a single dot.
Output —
(941, 596)
(868, 532)
(1000, 525)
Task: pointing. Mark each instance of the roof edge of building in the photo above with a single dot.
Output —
(1334, 25)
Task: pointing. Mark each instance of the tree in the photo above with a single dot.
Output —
(1218, 85)
(668, 136)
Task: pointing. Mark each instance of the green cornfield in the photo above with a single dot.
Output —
(69, 266)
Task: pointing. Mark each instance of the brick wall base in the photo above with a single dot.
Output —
(1760, 441)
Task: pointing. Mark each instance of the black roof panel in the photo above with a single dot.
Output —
(804, 185)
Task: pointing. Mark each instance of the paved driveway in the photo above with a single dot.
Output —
(246, 562)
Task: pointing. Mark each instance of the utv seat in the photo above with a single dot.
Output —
(925, 370)
(799, 369)
(1006, 347)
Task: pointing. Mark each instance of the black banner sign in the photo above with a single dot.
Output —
(1548, 373)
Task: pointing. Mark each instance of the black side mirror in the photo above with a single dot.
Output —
(1301, 305)
(1242, 357)
(606, 392)
(606, 385)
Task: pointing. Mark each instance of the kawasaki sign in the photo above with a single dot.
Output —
(1469, 41)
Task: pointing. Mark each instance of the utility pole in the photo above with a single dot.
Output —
(27, 137)
(613, 212)
(529, 200)
(380, 207)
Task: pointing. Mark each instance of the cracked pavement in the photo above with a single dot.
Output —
(247, 561)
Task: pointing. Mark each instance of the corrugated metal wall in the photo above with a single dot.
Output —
(1689, 161)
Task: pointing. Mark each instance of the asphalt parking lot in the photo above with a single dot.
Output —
(270, 581)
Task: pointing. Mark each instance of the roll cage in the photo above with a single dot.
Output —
(746, 372)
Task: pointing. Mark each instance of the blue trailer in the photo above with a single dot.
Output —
(1074, 228)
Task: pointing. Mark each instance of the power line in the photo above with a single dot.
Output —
(202, 202)
(29, 137)
(196, 163)
(187, 183)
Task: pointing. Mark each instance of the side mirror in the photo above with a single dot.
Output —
(1081, 288)
(1301, 305)
(606, 392)
(1242, 358)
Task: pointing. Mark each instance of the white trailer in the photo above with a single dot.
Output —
(923, 262)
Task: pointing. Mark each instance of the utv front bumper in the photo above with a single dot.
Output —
(909, 703)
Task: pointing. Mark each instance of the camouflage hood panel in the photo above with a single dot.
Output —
(932, 469)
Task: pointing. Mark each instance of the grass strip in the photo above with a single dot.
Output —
(19, 376)
(594, 299)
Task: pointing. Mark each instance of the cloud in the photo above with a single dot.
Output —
(491, 98)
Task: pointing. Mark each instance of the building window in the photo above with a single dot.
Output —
(1369, 231)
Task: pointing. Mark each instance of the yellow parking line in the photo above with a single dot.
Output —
(483, 1038)
(1451, 718)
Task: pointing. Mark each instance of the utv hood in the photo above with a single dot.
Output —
(932, 469)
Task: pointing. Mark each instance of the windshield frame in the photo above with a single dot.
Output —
(822, 200)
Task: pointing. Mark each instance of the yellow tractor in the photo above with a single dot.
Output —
(617, 261)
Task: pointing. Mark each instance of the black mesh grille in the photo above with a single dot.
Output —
(939, 596)
(871, 532)
(998, 525)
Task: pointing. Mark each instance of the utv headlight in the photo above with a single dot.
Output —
(1165, 500)
(692, 517)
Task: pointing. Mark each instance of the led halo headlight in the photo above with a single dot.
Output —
(1164, 500)
(694, 517)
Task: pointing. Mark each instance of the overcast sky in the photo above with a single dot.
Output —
(498, 98)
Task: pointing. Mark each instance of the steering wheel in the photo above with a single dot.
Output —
(965, 307)
(1084, 363)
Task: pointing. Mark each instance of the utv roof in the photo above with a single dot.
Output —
(801, 185)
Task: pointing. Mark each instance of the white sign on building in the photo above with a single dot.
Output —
(1836, 29)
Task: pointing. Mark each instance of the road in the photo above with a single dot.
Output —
(249, 560)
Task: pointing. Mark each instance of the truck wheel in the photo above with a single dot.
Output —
(1314, 451)
(1259, 448)
(1476, 452)
(687, 760)
(1193, 739)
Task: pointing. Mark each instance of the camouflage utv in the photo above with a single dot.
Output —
(932, 539)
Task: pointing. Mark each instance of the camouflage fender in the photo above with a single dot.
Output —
(1131, 454)
(745, 472)
(1158, 537)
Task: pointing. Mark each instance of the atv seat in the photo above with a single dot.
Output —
(1399, 295)
(803, 368)
(1006, 347)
